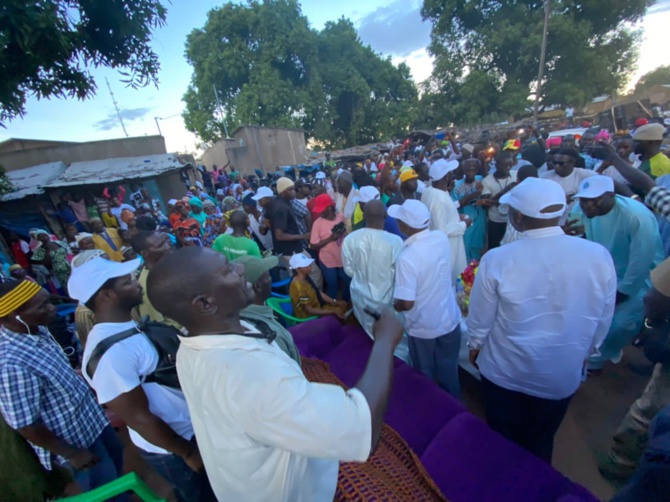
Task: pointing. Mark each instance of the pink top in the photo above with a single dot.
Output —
(330, 254)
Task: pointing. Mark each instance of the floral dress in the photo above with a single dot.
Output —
(60, 266)
(212, 229)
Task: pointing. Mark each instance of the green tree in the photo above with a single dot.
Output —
(659, 76)
(270, 68)
(48, 46)
(591, 50)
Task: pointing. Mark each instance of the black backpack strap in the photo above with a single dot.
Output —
(104, 346)
(266, 332)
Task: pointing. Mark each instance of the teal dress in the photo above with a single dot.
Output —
(475, 236)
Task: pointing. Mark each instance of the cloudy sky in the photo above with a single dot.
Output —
(390, 27)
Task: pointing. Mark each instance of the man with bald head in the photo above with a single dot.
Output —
(346, 198)
(369, 256)
(238, 243)
(265, 432)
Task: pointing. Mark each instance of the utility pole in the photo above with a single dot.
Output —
(220, 107)
(116, 107)
(160, 133)
(543, 53)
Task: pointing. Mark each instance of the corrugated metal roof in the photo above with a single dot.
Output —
(112, 170)
(32, 180)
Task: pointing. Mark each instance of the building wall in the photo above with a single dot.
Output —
(76, 152)
(16, 144)
(263, 148)
(217, 154)
(170, 186)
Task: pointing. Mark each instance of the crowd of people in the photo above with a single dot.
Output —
(571, 269)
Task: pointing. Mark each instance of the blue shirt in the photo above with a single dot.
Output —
(37, 385)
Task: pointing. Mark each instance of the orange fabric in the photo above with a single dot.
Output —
(393, 473)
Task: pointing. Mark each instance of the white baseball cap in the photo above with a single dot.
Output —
(320, 176)
(172, 202)
(262, 193)
(413, 213)
(88, 278)
(594, 186)
(407, 163)
(299, 261)
(367, 193)
(533, 195)
(441, 168)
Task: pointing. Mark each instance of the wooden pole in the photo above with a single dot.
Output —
(543, 52)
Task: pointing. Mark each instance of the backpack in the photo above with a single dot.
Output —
(165, 339)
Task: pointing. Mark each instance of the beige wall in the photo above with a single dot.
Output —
(76, 152)
(15, 145)
(217, 154)
(262, 148)
(171, 187)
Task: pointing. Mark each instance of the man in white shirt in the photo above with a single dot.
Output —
(258, 226)
(369, 256)
(535, 317)
(444, 214)
(157, 415)
(265, 432)
(424, 293)
(116, 208)
(568, 176)
(495, 186)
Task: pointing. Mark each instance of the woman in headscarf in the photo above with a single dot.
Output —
(214, 223)
(197, 213)
(54, 256)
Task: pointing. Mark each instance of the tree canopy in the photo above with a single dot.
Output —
(487, 54)
(659, 76)
(270, 68)
(48, 46)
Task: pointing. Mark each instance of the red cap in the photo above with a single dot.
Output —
(640, 122)
(322, 202)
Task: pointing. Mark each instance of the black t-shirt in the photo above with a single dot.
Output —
(282, 218)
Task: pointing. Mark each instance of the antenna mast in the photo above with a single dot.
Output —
(116, 107)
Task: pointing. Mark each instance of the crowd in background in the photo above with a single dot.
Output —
(393, 232)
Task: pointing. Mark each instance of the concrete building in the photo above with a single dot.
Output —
(256, 147)
(21, 153)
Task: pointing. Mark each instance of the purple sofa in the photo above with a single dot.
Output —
(467, 460)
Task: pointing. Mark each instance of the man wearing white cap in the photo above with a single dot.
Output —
(367, 194)
(444, 212)
(157, 415)
(535, 316)
(630, 233)
(424, 293)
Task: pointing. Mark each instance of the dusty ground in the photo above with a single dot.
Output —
(593, 416)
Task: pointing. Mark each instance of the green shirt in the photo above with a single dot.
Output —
(284, 339)
(234, 247)
(656, 166)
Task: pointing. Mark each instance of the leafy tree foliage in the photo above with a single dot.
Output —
(659, 76)
(47, 47)
(269, 67)
(487, 53)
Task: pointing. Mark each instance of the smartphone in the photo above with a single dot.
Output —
(576, 217)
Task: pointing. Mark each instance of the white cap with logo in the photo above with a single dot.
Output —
(595, 186)
(299, 261)
(413, 213)
(262, 193)
(88, 278)
(533, 196)
(320, 175)
(440, 168)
